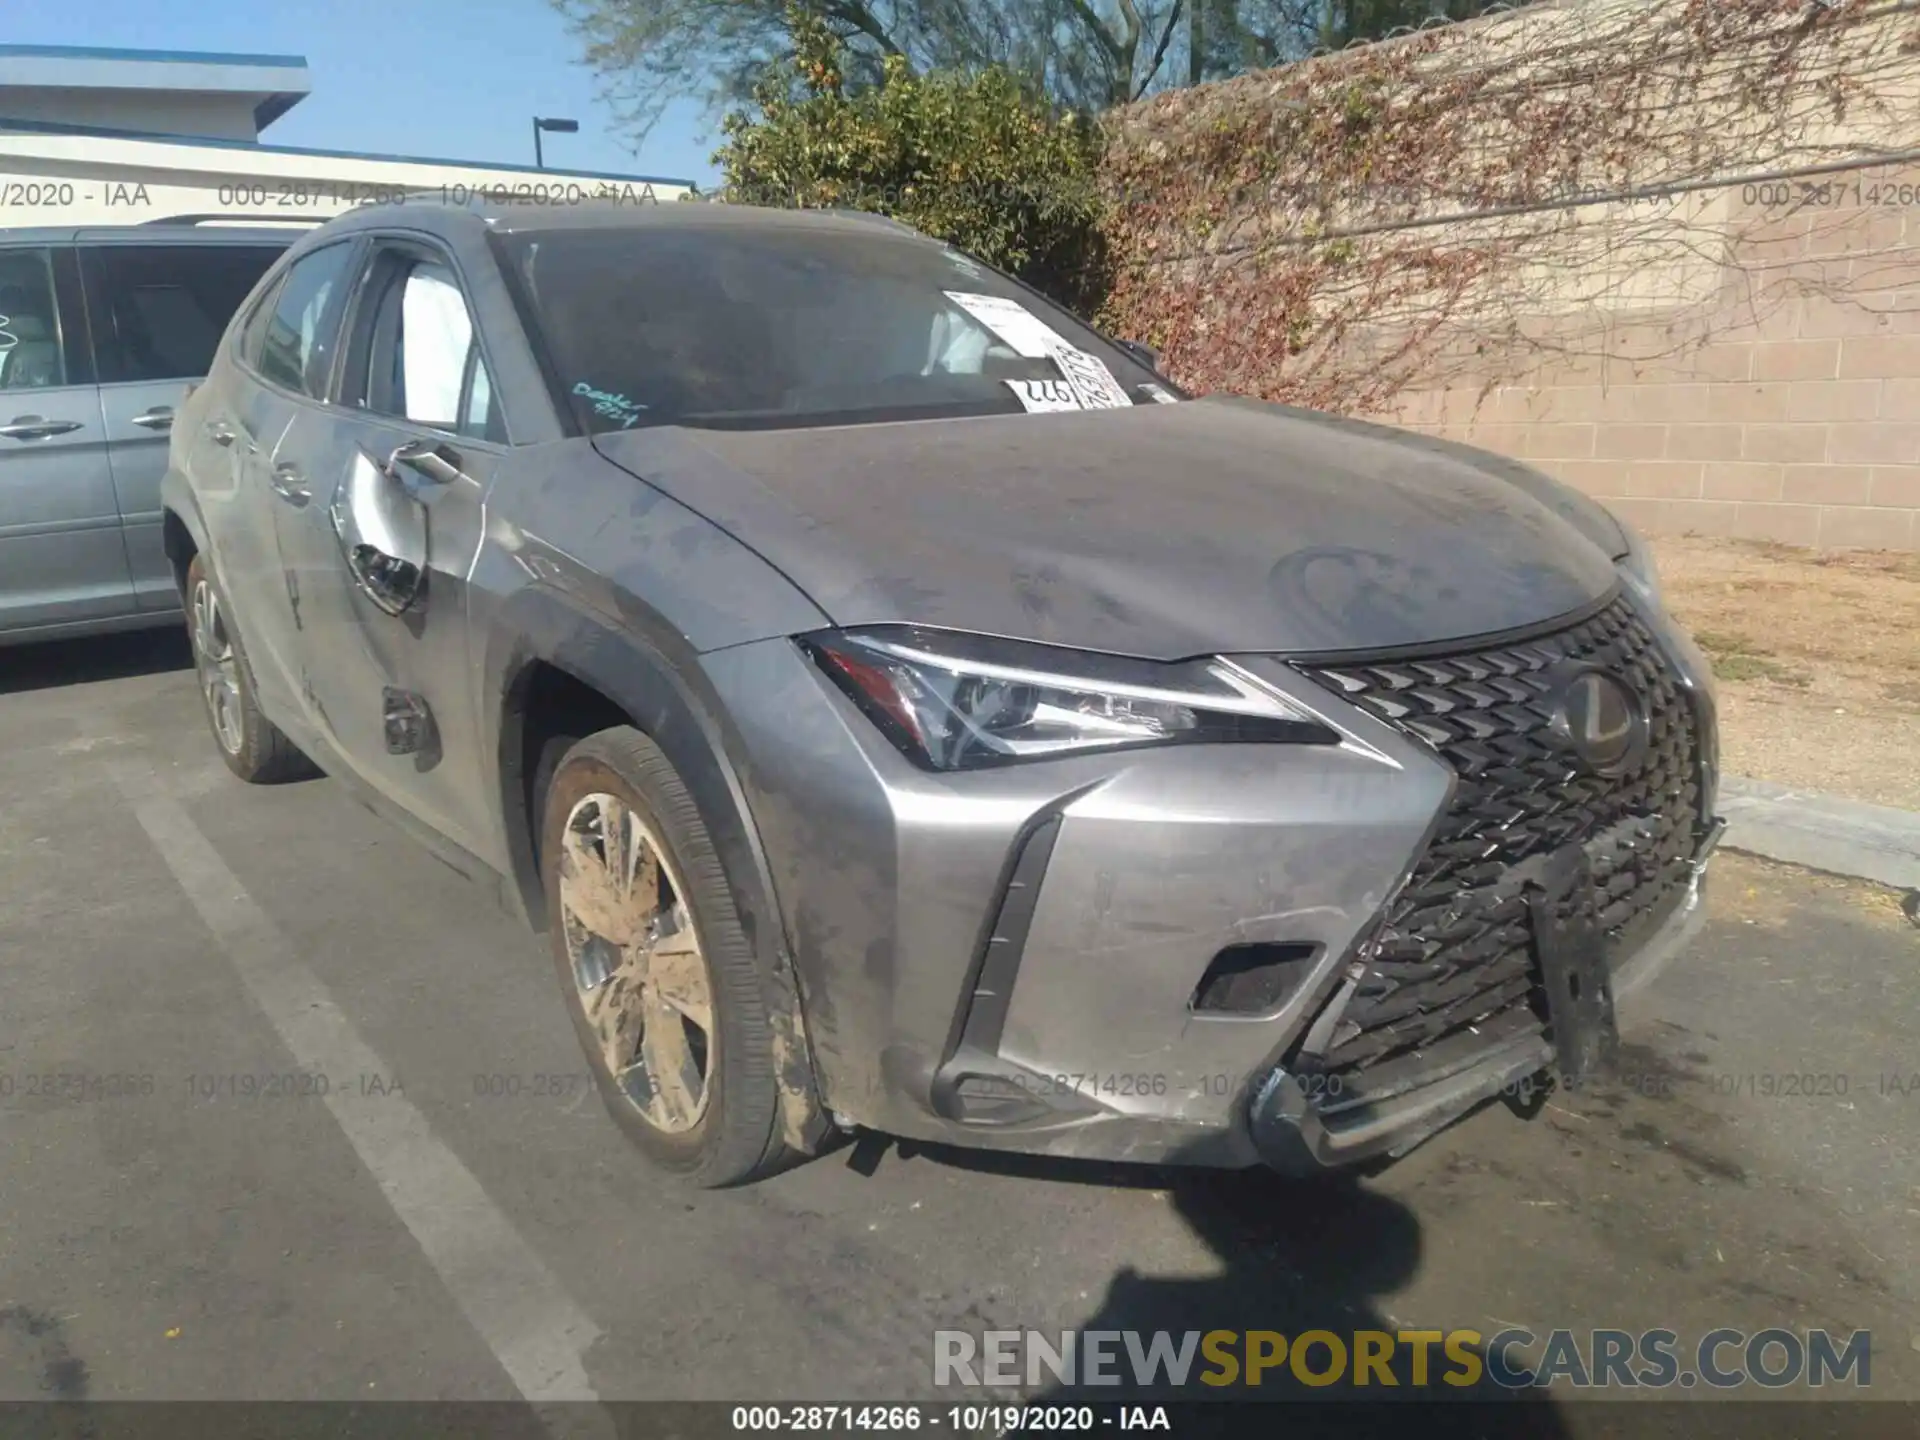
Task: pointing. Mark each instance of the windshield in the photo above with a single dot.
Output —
(784, 324)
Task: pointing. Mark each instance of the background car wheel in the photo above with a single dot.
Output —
(251, 744)
(661, 983)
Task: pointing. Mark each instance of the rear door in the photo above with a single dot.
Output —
(398, 471)
(157, 311)
(61, 554)
(280, 367)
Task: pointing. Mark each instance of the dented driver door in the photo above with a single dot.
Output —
(384, 549)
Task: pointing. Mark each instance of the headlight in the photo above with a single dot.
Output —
(960, 702)
(1637, 567)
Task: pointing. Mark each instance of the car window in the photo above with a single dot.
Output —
(30, 357)
(424, 362)
(787, 324)
(478, 414)
(297, 345)
(253, 329)
(159, 310)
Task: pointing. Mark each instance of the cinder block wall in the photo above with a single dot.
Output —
(1711, 320)
(1786, 408)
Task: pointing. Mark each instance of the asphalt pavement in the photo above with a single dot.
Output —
(289, 1111)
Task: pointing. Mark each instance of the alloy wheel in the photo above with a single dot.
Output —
(218, 667)
(639, 972)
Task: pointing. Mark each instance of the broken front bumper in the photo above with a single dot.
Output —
(1302, 1122)
(1011, 958)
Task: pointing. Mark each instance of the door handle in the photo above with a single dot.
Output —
(423, 460)
(289, 484)
(160, 417)
(221, 433)
(36, 427)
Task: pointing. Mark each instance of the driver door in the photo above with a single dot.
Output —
(399, 469)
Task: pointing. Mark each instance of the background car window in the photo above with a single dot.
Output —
(30, 357)
(298, 342)
(159, 310)
(424, 363)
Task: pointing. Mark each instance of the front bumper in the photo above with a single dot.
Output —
(1299, 1128)
(1009, 959)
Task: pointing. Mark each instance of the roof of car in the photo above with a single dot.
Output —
(151, 232)
(602, 214)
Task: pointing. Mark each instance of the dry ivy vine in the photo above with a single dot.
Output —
(1297, 234)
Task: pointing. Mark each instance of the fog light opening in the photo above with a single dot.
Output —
(1252, 980)
(995, 1100)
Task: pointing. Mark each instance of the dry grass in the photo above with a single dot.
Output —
(1755, 891)
(1818, 658)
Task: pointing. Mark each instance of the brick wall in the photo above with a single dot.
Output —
(1786, 406)
(1710, 320)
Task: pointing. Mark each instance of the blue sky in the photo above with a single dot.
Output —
(458, 79)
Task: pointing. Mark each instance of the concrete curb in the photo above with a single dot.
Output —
(1822, 832)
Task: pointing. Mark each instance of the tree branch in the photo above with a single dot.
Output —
(1097, 27)
(1160, 50)
(853, 13)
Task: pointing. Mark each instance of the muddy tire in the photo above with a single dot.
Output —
(662, 986)
(252, 745)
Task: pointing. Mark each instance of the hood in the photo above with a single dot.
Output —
(1207, 527)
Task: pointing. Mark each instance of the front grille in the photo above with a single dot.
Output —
(1453, 954)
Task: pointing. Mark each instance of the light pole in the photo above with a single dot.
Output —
(558, 127)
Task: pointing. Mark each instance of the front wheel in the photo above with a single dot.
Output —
(252, 745)
(663, 988)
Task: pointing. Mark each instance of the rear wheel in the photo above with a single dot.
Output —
(663, 988)
(251, 744)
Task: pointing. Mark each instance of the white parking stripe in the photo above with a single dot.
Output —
(508, 1295)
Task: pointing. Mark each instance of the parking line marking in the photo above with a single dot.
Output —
(509, 1296)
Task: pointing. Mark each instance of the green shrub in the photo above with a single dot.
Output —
(974, 160)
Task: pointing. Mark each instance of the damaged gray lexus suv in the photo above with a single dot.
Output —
(902, 707)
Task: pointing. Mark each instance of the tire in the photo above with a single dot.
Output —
(628, 964)
(252, 745)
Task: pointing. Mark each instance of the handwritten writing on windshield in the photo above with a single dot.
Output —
(610, 404)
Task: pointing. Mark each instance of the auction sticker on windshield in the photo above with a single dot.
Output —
(1039, 395)
(1025, 332)
(1090, 378)
(1027, 335)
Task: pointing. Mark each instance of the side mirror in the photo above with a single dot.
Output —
(392, 584)
(1145, 354)
(383, 533)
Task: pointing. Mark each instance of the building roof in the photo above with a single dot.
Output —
(558, 174)
(273, 84)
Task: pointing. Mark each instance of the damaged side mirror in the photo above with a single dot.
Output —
(382, 529)
(391, 583)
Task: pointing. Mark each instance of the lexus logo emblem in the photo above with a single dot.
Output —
(1601, 721)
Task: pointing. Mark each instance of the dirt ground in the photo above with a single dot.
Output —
(1818, 659)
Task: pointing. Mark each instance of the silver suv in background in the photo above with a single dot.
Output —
(101, 333)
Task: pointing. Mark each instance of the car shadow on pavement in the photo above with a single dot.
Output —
(1294, 1256)
(49, 664)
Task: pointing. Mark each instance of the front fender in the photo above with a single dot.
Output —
(178, 501)
(674, 706)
